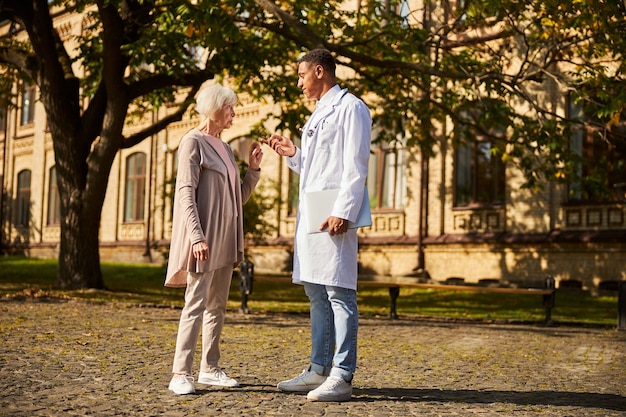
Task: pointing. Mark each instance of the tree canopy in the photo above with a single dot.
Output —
(518, 65)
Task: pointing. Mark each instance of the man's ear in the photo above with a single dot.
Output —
(319, 71)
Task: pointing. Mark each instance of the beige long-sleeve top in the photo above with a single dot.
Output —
(206, 208)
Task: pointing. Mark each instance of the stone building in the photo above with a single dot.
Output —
(458, 214)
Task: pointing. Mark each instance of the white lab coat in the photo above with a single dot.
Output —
(334, 153)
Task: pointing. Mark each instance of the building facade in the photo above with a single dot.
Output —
(458, 214)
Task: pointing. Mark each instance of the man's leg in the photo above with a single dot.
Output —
(322, 328)
(322, 340)
(338, 385)
(346, 318)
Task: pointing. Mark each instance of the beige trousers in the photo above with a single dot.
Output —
(205, 307)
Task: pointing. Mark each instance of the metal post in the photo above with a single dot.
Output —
(394, 292)
(549, 299)
(621, 305)
(246, 278)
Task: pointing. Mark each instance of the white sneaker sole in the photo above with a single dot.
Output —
(329, 398)
(299, 388)
(218, 383)
(181, 392)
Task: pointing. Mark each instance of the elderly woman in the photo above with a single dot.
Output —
(207, 235)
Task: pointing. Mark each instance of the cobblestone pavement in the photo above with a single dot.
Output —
(72, 358)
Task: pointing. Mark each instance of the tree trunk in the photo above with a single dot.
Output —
(82, 183)
(82, 188)
(79, 257)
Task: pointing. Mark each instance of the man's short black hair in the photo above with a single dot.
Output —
(321, 57)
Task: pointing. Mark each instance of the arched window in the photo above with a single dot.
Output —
(135, 196)
(54, 202)
(22, 212)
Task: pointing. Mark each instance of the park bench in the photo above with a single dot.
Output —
(547, 293)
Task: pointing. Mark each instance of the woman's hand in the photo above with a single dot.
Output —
(255, 155)
(200, 251)
(281, 145)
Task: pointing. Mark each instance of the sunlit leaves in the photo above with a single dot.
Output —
(528, 56)
(417, 64)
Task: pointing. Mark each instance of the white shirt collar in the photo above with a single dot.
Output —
(329, 96)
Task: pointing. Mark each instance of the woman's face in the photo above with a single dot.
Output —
(224, 116)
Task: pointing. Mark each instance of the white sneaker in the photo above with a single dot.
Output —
(304, 382)
(182, 384)
(216, 377)
(333, 389)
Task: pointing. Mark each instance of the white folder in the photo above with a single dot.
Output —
(319, 204)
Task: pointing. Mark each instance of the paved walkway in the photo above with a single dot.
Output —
(70, 358)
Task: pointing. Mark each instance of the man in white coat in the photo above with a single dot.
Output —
(334, 154)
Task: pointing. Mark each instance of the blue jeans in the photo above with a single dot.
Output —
(334, 327)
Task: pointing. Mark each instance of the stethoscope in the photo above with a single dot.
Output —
(310, 132)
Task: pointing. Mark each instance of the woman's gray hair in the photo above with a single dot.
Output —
(212, 98)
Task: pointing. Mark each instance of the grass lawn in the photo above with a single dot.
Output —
(143, 284)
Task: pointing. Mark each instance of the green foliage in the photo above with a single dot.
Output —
(256, 226)
(416, 73)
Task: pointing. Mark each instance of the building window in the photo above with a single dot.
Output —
(293, 190)
(22, 214)
(54, 202)
(387, 177)
(175, 161)
(293, 193)
(28, 104)
(3, 120)
(601, 169)
(479, 173)
(134, 203)
(171, 189)
(240, 148)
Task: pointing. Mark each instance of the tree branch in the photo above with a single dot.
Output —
(158, 81)
(164, 122)
(304, 36)
(20, 60)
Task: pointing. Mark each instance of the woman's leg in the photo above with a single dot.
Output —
(214, 315)
(190, 322)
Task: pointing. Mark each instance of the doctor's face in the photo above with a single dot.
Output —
(310, 80)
